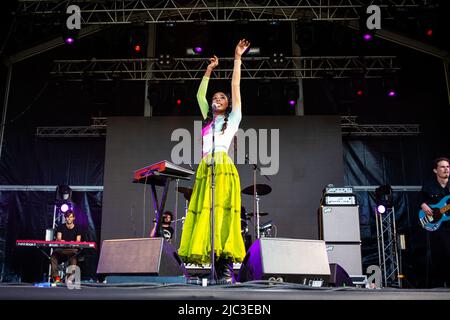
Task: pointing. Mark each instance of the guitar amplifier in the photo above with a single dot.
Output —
(339, 224)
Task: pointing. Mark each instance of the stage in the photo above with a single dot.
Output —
(253, 290)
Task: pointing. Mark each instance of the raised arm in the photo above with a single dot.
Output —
(236, 79)
(201, 93)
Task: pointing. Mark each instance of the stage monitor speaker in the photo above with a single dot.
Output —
(286, 260)
(347, 255)
(339, 277)
(146, 256)
(339, 223)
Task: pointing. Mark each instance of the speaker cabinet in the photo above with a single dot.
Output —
(338, 223)
(339, 277)
(347, 255)
(146, 256)
(287, 260)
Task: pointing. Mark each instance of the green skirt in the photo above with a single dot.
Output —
(195, 244)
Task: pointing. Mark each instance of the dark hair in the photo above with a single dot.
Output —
(68, 213)
(169, 214)
(437, 160)
(210, 115)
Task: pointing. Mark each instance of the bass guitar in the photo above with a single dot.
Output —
(440, 209)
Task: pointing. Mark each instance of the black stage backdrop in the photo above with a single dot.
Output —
(310, 156)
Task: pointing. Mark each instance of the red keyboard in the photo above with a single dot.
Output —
(162, 167)
(56, 244)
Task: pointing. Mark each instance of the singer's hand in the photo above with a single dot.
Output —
(214, 62)
(241, 47)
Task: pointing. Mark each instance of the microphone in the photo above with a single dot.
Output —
(246, 158)
(214, 106)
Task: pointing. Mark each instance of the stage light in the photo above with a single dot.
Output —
(178, 101)
(381, 209)
(383, 198)
(392, 93)
(198, 50)
(70, 37)
(360, 93)
(69, 40)
(64, 207)
(165, 60)
(278, 58)
(429, 32)
(137, 48)
(367, 37)
(63, 193)
(292, 102)
(253, 51)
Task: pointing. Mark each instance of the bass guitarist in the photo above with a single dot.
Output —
(434, 191)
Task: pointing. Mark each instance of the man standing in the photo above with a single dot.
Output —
(439, 240)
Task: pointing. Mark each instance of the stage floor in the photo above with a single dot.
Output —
(253, 290)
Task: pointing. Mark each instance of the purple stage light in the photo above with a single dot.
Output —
(198, 50)
(292, 102)
(69, 40)
(64, 207)
(367, 37)
(392, 93)
(381, 209)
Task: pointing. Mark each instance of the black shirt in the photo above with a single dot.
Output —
(167, 233)
(432, 192)
(69, 234)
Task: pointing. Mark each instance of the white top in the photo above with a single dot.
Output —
(222, 141)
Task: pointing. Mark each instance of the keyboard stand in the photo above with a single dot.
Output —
(159, 206)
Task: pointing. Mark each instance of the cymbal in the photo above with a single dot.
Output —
(261, 189)
(187, 192)
(261, 214)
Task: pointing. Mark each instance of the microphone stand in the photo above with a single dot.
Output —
(213, 271)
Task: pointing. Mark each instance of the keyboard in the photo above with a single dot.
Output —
(56, 244)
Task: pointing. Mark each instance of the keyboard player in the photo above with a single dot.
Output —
(65, 232)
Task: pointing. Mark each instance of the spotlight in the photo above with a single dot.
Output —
(360, 93)
(392, 93)
(64, 207)
(367, 37)
(178, 101)
(381, 209)
(198, 50)
(69, 40)
(278, 58)
(292, 102)
(63, 193)
(70, 36)
(165, 60)
(383, 198)
(429, 32)
(137, 48)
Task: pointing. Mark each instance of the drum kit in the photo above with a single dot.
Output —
(264, 230)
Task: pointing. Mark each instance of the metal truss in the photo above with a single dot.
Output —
(351, 128)
(252, 68)
(97, 129)
(123, 12)
(388, 251)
